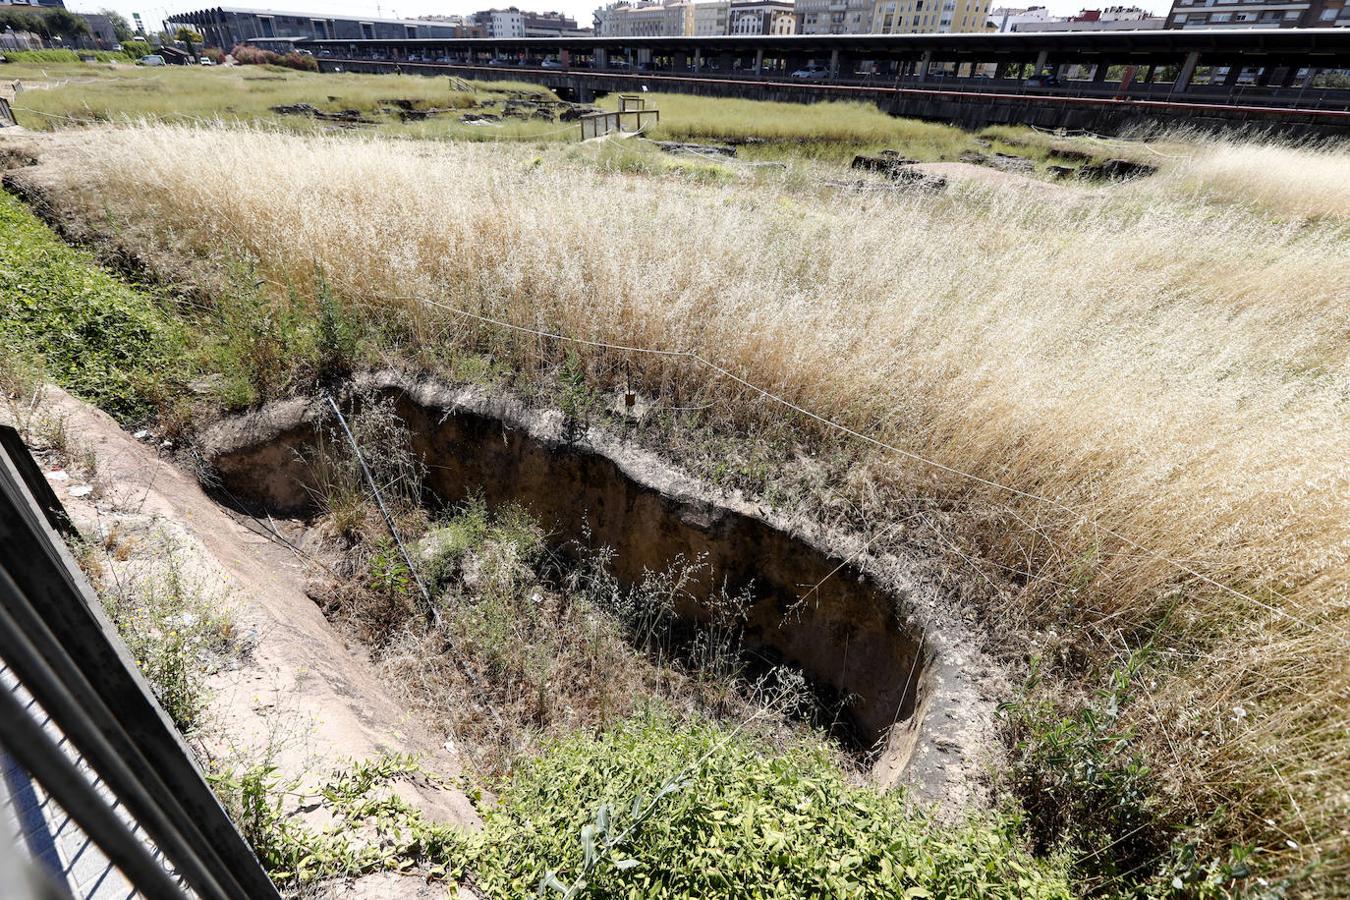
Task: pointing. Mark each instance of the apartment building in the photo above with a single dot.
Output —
(1230, 14)
(645, 18)
(671, 18)
(930, 16)
(835, 16)
(776, 17)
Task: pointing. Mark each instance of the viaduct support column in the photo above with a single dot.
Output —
(924, 61)
(759, 62)
(698, 59)
(834, 63)
(1099, 71)
(1234, 73)
(1187, 72)
(1041, 59)
(601, 58)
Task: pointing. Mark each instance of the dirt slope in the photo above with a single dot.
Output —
(300, 690)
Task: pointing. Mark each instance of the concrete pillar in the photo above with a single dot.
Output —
(1148, 73)
(1267, 71)
(1187, 72)
(834, 63)
(1290, 76)
(1099, 71)
(679, 61)
(600, 58)
(1234, 73)
(921, 72)
(759, 61)
(1041, 59)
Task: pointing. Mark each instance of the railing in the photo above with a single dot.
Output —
(624, 120)
(84, 737)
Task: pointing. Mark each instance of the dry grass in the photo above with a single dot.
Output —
(61, 95)
(1172, 372)
(1309, 182)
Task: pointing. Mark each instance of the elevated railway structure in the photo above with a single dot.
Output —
(1281, 80)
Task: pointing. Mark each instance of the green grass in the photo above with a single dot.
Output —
(64, 56)
(96, 336)
(828, 130)
(64, 94)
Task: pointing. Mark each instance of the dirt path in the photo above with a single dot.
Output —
(301, 692)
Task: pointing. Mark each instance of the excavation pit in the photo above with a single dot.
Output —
(812, 609)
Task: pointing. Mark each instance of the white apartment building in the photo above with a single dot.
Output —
(930, 16)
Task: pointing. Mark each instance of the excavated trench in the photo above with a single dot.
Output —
(812, 607)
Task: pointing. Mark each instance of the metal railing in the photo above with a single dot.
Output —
(82, 725)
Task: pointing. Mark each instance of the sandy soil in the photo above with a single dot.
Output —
(300, 692)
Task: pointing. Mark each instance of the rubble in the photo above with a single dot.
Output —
(1116, 170)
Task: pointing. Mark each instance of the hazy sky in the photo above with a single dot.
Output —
(153, 11)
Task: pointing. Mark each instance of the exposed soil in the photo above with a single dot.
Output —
(863, 626)
(300, 689)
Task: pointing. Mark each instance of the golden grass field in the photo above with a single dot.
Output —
(1132, 401)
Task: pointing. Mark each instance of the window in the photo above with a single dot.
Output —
(411, 30)
(1220, 17)
(368, 31)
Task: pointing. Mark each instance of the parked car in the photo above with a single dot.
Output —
(206, 61)
(152, 59)
(1043, 79)
(811, 71)
(551, 63)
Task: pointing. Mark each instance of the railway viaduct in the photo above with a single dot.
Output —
(1261, 79)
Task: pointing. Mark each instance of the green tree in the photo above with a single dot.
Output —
(121, 27)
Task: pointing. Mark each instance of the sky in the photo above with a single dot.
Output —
(154, 11)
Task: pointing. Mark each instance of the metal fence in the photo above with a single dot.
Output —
(102, 793)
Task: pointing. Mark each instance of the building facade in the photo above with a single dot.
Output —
(776, 17)
(930, 16)
(1230, 14)
(224, 27)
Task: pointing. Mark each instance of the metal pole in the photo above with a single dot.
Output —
(431, 610)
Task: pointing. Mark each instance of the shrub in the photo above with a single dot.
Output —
(667, 810)
(253, 56)
(215, 54)
(136, 49)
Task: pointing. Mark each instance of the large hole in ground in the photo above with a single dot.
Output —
(811, 609)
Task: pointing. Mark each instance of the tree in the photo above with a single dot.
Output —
(121, 27)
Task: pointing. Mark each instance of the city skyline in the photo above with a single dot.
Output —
(155, 11)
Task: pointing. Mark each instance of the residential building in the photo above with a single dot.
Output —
(645, 18)
(836, 16)
(929, 16)
(1006, 19)
(225, 26)
(49, 4)
(1112, 18)
(1230, 14)
(776, 17)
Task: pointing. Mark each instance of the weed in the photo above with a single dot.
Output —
(176, 629)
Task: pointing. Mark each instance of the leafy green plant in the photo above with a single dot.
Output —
(743, 821)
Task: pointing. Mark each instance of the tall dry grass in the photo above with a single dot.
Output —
(1308, 182)
(1173, 373)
